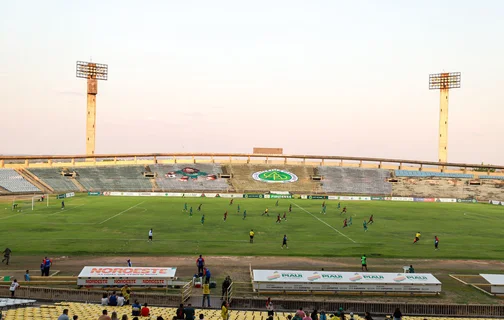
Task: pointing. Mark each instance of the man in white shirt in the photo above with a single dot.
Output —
(120, 300)
(14, 285)
(150, 235)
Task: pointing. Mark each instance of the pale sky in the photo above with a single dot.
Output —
(314, 77)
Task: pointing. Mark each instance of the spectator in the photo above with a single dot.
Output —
(145, 312)
(126, 292)
(200, 263)
(411, 269)
(180, 312)
(314, 315)
(306, 317)
(341, 313)
(124, 317)
(300, 312)
(104, 316)
(159, 318)
(225, 310)
(64, 316)
(27, 276)
(225, 286)
(206, 295)
(269, 307)
(201, 316)
(75, 317)
(189, 312)
(130, 264)
(367, 316)
(104, 300)
(207, 274)
(323, 315)
(135, 318)
(47, 266)
(397, 314)
(120, 300)
(42, 269)
(114, 316)
(297, 317)
(136, 308)
(289, 317)
(351, 316)
(112, 301)
(13, 287)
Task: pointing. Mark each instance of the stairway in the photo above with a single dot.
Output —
(33, 179)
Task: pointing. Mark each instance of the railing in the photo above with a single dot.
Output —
(423, 309)
(187, 291)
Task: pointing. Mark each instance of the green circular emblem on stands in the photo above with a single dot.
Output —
(275, 176)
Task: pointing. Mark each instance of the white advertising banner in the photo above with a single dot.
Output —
(352, 198)
(231, 195)
(496, 282)
(70, 194)
(496, 202)
(402, 199)
(289, 280)
(445, 200)
(137, 276)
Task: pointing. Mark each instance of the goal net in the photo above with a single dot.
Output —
(29, 202)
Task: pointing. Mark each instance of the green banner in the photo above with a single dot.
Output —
(377, 198)
(61, 196)
(317, 197)
(94, 193)
(281, 196)
(252, 195)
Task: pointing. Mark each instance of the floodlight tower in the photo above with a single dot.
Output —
(443, 82)
(92, 72)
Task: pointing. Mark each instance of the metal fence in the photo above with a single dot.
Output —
(422, 309)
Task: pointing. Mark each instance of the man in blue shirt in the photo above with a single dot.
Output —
(113, 299)
(27, 276)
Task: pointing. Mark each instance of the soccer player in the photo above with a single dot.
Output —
(278, 219)
(266, 212)
(203, 219)
(323, 204)
(231, 202)
(284, 242)
(417, 237)
(150, 235)
(345, 223)
(199, 207)
(324, 209)
(251, 234)
(225, 216)
(285, 216)
(238, 210)
(62, 205)
(290, 207)
(185, 207)
(276, 204)
(339, 205)
(350, 221)
(244, 214)
(344, 210)
(130, 264)
(190, 211)
(436, 243)
(371, 221)
(7, 253)
(364, 263)
(364, 224)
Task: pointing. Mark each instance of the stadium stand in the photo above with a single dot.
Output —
(426, 174)
(12, 181)
(113, 178)
(168, 177)
(242, 180)
(343, 180)
(54, 179)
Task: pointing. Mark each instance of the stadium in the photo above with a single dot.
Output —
(276, 231)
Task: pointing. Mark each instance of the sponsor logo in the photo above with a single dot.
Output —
(189, 173)
(142, 271)
(417, 278)
(373, 277)
(332, 276)
(314, 276)
(275, 176)
(152, 281)
(105, 281)
(124, 281)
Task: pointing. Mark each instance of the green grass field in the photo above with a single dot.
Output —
(119, 225)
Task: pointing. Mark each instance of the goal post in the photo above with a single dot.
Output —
(29, 202)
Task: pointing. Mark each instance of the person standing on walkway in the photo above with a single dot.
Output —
(206, 295)
(47, 266)
(364, 263)
(200, 263)
(13, 287)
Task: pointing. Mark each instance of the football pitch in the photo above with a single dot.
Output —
(99, 225)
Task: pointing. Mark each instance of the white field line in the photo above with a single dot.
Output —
(327, 224)
(136, 205)
(10, 216)
(64, 210)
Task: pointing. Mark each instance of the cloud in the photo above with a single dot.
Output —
(70, 93)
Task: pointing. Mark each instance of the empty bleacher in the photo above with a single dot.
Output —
(492, 177)
(113, 178)
(201, 183)
(242, 180)
(12, 181)
(426, 174)
(343, 180)
(54, 179)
